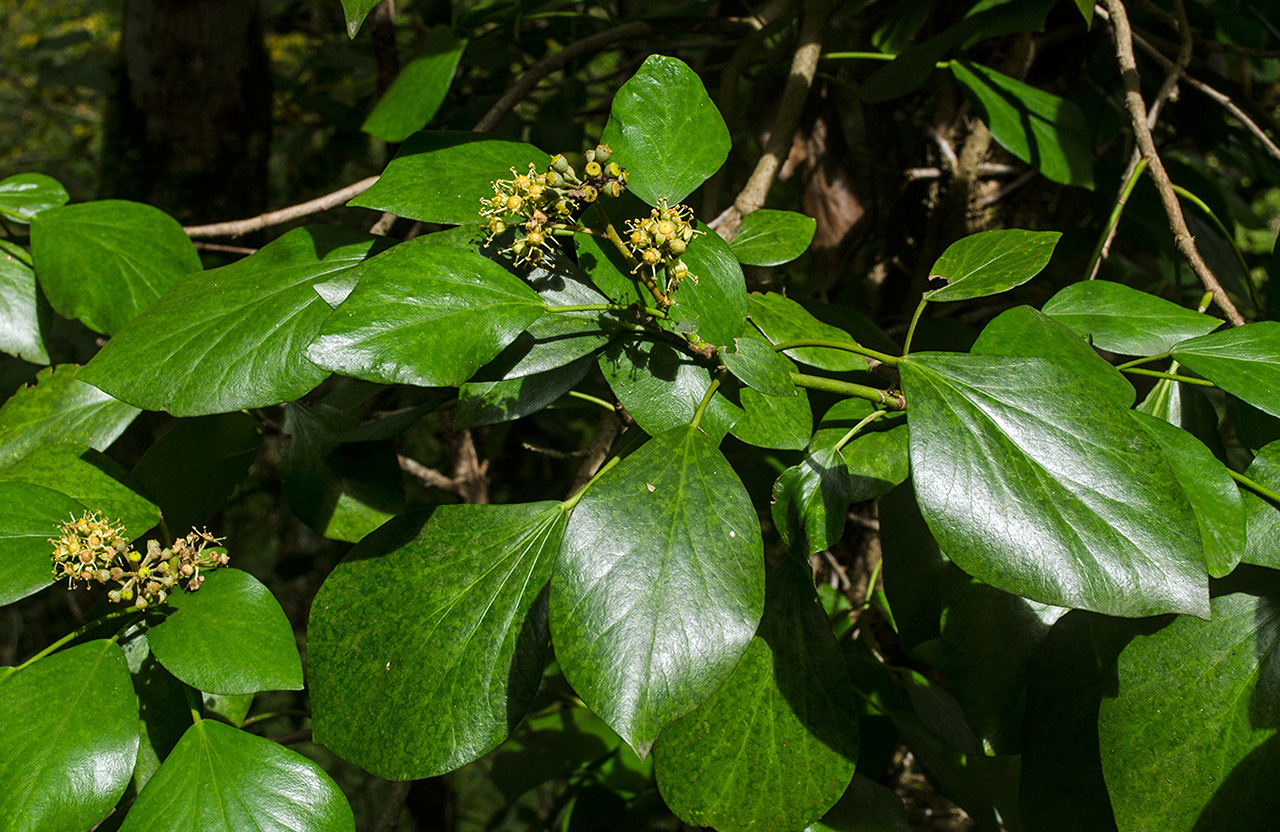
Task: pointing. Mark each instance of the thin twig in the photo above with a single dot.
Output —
(429, 477)
(237, 228)
(596, 451)
(396, 796)
(1138, 115)
(803, 67)
(219, 247)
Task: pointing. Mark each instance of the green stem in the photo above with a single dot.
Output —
(871, 583)
(871, 56)
(1140, 361)
(891, 400)
(853, 431)
(847, 346)
(192, 705)
(568, 504)
(596, 400)
(1222, 229)
(569, 230)
(263, 717)
(1155, 374)
(706, 400)
(1255, 486)
(1116, 211)
(75, 634)
(612, 233)
(602, 307)
(911, 330)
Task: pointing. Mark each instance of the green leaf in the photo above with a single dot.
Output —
(95, 481)
(222, 779)
(104, 262)
(23, 317)
(221, 448)
(718, 297)
(1047, 132)
(661, 387)
(1026, 332)
(782, 422)
(1119, 318)
(24, 195)
(229, 637)
(865, 807)
(876, 457)
(810, 502)
(771, 238)
(758, 366)
(356, 11)
(665, 130)
(991, 262)
(1086, 11)
(60, 408)
(655, 598)
(426, 315)
(996, 440)
(233, 337)
(491, 402)
(441, 176)
(774, 747)
(1213, 495)
(29, 516)
(418, 91)
(1262, 517)
(426, 643)
(69, 730)
(782, 319)
(1188, 742)
(1243, 360)
(341, 490)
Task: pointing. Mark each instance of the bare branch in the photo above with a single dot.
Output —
(237, 228)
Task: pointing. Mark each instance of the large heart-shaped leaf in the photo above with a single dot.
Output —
(771, 238)
(104, 262)
(1244, 361)
(419, 89)
(1189, 738)
(1122, 319)
(233, 337)
(427, 315)
(991, 262)
(656, 597)
(24, 195)
(230, 636)
(1035, 484)
(775, 746)
(426, 643)
(29, 516)
(665, 130)
(69, 730)
(441, 176)
(60, 408)
(222, 779)
(23, 318)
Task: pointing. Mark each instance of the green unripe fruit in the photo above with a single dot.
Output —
(603, 154)
(589, 193)
(615, 170)
(613, 189)
(559, 164)
(593, 169)
(677, 246)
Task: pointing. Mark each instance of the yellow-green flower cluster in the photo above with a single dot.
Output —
(661, 238)
(536, 205)
(94, 550)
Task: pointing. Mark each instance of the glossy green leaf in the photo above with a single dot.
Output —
(230, 636)
(491, 402)
(783, 422)
(1086, 11)
(782, 319)
(104, 262)
(356, 11)
(757, 365)
(69, 730)
(917, 573)
(1213, 495)
(991, 262)
(23, 318)
(810, 502)
(665, 130)
(771, 238)
(1198, 701)
(996, 440)
(29, 516)
(655, 598)
(661, 387)
(1047, 132)
(877, 458)
(220, 447)
(24, 195)
(418, 91)
(426, 315)
(341, 490)
(426, 644)
(1121, 319)
(163, 706)
(222, 779)
(865, 807)
(774, 747)
(60, 408)
(718, 298)
(233, 337)
(1262, 517)
(441, 176)
(83, 474)
(1024, 331)
(1243, 360)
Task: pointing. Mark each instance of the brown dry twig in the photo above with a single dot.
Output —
(237, 228)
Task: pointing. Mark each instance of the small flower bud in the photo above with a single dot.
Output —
(593, 169)
(677, 246)
(559, 164)
(513, 203)
(651, 257)
(616, 171)
(603, 154)
(126, 594)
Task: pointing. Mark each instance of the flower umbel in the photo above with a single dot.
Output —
(661, 238)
